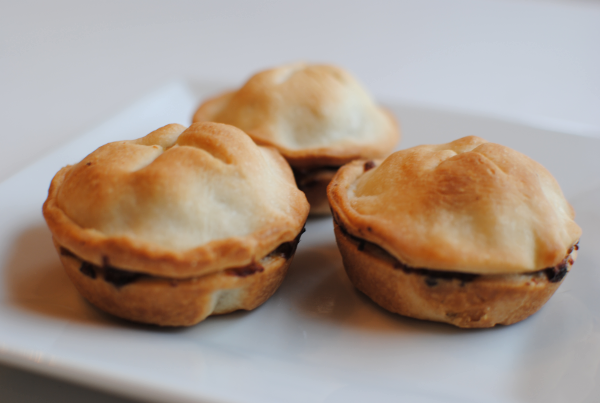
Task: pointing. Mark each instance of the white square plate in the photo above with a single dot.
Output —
(316, 339)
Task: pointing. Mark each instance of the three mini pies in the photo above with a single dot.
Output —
(317, 116)
(178, 225)
(469, 233)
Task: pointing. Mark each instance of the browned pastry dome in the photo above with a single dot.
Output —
(179, 206)
(319, 117)
(469, 208)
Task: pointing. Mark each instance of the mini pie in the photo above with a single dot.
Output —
(178, 225)
(469, 233)
(318, 117)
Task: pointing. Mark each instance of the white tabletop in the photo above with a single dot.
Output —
(66, 66)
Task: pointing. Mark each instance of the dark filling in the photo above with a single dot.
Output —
(113, 275)
(432, 277)
(246, 270)
(369, 165)
(558, 272)
(304, 176)
(120, 277)
(88, 269)
(68, 253)
(287, 249)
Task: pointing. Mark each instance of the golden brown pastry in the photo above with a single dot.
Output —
(318, 117)
(178, 225)
(469, 233)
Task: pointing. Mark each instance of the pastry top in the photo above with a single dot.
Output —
(467, 206)
(312, 114)
(178, 202)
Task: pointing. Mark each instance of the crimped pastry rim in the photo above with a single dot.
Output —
(178, 302)
(359, 225)
(145, 257)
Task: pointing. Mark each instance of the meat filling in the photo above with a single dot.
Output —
(120, 277)
(432, 277)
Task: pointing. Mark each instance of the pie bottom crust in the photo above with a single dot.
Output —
(179, 302)
(479, 302)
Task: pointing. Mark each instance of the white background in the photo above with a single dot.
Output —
(66, 66)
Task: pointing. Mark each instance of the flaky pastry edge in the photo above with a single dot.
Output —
(358, 225)
(146, 257)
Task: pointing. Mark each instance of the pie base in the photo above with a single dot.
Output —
(481, 301)
(179, 302)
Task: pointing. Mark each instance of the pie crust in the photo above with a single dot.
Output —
(316, 116)
(466, 208)
(179, 205)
